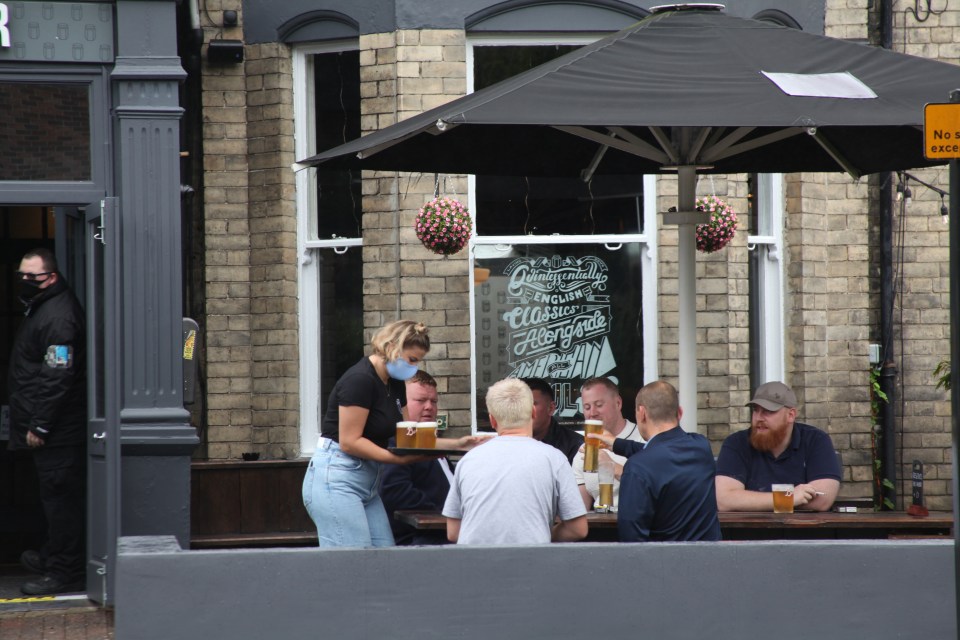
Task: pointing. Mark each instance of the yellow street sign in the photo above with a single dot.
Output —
(941, 131)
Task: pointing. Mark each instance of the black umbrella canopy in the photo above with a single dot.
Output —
(681, 87)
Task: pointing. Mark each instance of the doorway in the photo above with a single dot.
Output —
(67, 231)
(22, 524)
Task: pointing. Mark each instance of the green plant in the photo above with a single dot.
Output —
(876, 436)
(942, 374)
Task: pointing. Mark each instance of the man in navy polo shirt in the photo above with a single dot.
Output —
(776, 449)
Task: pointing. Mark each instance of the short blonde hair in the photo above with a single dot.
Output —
(510, 401)
(393, 338)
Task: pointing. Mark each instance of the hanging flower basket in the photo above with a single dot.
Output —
(444, 226)
(714, 235)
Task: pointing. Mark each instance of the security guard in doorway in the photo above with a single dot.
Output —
(48, 417)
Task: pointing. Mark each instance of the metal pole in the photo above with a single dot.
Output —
(888, 371)
(687, 290)
(955, 356)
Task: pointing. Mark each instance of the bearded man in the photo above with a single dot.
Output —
(776, 450)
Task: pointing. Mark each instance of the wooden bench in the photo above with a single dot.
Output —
(237, 504)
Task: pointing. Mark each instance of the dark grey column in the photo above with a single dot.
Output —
(155, 433)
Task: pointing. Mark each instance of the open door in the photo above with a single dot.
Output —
(101, 285)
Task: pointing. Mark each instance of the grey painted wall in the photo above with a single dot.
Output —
(783, 590)
(262, 18)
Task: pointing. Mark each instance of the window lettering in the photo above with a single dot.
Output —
(4, 30)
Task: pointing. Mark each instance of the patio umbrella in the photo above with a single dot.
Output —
(696, 70)
(688, 89)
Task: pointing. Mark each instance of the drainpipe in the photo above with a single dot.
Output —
(888, 373)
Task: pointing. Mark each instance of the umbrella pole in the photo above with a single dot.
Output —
(687, 290)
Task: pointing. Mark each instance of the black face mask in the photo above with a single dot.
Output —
(29, 289)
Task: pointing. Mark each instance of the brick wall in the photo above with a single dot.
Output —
(922, 311)
(250, 228)
(402, 74)
(833, 288)
(273, 251)
(227, 235)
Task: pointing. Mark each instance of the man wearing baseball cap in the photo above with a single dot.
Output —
(776, 449)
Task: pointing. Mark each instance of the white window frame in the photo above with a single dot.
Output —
(769, 244)
(647, 240)
(308, 244)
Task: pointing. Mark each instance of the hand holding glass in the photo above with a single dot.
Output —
(591, 445)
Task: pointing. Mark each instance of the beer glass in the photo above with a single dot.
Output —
(406, 435)
(782, 498)
(605, 478)
(426, 435)
(592, 446)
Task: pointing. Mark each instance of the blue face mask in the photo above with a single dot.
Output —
(400, 369)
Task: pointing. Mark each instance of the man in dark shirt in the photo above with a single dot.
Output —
(421, 485)
(546, 429)
(667, 489)
(776, 449)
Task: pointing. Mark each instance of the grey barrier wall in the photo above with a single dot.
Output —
(784, 590)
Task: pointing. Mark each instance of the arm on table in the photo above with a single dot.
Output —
(732, 495)
(829, 488)
(565, 531)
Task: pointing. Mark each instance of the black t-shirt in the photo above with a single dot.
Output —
(566, 440)
(360, 386)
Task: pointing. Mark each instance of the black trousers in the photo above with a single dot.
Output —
(62, 472)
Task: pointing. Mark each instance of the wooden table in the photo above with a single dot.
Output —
(767, 526)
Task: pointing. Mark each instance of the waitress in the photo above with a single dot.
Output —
(341, 487)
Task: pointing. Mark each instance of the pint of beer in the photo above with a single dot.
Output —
(591, 447)
(426, 435)
(605, 476)
(782, 498)
(406, 435)
(605, 499)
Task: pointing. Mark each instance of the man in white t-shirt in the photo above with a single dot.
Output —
(513, 489)
(601, 400)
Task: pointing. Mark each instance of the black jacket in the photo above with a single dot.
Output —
(47, 381)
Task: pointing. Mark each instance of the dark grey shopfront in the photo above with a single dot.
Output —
(89, 166)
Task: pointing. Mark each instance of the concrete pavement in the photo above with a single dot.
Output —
(64, 617)
(74, 623)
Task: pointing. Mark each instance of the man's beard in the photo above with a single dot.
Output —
(765, 440)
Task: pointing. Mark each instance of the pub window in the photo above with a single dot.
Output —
(532, 205)
(564, 312)
(564, 283)
(329, 204)
(46, 132)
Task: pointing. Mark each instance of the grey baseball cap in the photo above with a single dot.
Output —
(774, 396)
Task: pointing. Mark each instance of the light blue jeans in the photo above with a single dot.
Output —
(340, 493)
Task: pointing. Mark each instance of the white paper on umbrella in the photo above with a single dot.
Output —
(821, 85)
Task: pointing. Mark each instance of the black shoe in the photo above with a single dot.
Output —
(33, 562)
(49, 585)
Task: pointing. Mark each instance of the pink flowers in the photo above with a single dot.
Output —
(714, 235)
(444, 226)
